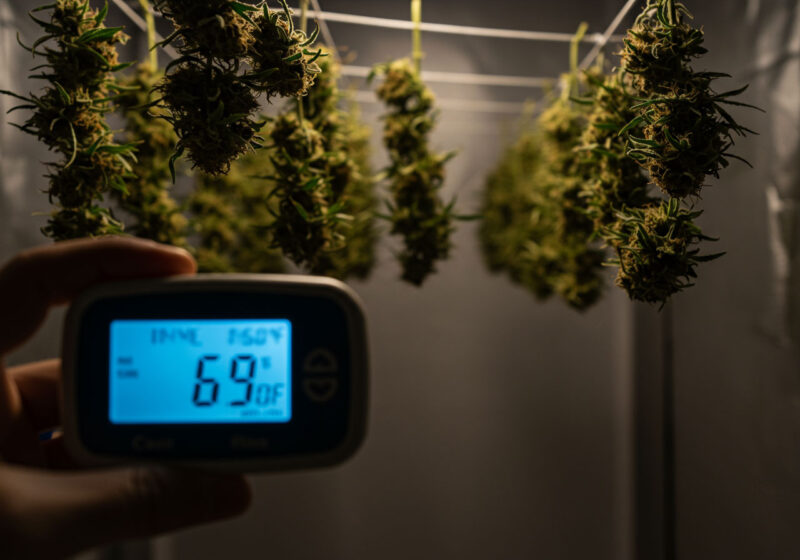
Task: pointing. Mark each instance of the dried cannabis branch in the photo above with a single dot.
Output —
(416, 174)
(307, 225)
(616, 182)
(346, 143)
(535, 223)
(686, 132)
(657, 247)
(69, 117)
(669, 121)
(232, 215)
(281, 60)
(211, 101)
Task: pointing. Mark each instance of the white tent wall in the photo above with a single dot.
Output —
(737, 380)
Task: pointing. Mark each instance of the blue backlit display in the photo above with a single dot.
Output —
(200, 371)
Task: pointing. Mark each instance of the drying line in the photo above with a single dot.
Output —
(441, 77)
(606, 37)
(363, 71)
(478, 106)
(139, 22)
(463, 78)
(446, 28)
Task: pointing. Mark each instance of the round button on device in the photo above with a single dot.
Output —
(322, 389)
(320, 360)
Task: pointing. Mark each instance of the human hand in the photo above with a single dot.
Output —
(48, 507)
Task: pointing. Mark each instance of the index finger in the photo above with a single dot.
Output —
(52, 275)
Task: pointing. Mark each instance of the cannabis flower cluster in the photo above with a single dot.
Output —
(686, 132)
(346, 144)
(291, 197)
(535, 226)
(680, 134)
(231, 53)
(416, 174)
(655, 120)
(69, 117)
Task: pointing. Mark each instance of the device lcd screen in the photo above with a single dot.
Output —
(200, 371)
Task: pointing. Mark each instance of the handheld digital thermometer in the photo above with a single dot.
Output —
(241, 372)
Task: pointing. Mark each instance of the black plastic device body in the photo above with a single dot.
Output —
(329, 373)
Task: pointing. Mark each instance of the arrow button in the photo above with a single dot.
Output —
(321, 390)
(320, 360)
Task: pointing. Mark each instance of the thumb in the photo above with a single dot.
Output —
(70, 513)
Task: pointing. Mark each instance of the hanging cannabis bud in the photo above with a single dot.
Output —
(686, 133)
(535, 222)
(306, 225)
(559, 252)
(69, 117)
(211, 100)
(211, 108)
(256, 211)
(147, 198)
(213, 113)
(213, 29)
(346, 144)
(658, 251)
(416, 174)
(615, 181)
(507, 221)
(281, 60)
(232, 215)
(670, 122)
(357, 257)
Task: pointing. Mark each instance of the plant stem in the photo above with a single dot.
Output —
(574, 47)
(416, 18)
(672, 16)
(151, 33)
(303, 27)
(303, 15)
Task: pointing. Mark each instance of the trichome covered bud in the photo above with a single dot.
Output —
(307, 225)
(615, 182)
(416, 174)
(213, 113)
(231, 52)
(686, 133)
(346, 142)
(69, 117)
(281, 58)
(658, 252)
